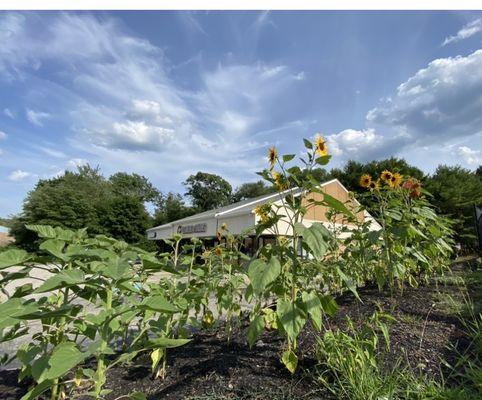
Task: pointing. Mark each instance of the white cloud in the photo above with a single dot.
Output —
(468, 30)
(19, 175)
(36, 117)
(3, 135)
(9, 113)
(52, 152)
(470, 156)
(441, 101)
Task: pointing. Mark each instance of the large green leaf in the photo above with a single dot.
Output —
(317, 237)
(255, 328)
(13, 257)
(43, 231)
(262, 274)
(158, 303)
(328, 305)
(291, 316)
(350, 284)
(62, 279)
(54, 247)
(312, 304)
(37, 390)
(169, 343)
(336, 204)
(290, 360)
(65, 356)
(13, 309)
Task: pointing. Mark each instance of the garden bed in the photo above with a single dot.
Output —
(424, 333)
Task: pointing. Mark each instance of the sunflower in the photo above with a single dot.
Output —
(224, 226)
(218, 251)
(272, 156)
(365, 180)
(262, 213)
(219, 236)
(386, 176)
(320, 145)
(414, 186)
(395, 180)
(374, 185)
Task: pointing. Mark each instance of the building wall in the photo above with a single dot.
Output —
(336, 190)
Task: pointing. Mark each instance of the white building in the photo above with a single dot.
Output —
(241, 218)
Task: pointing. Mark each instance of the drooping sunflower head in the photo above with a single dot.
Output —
(263, 212)
(365, 180)
(374, 185)
(386, 176)
(218, 251)
(395, 180)
(219, 236)
(272, 156)
(320, 146)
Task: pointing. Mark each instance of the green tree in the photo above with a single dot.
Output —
(208, 191)
(251, 189)
(171, 207)
(455, 190)
(133, 185)
(85, 199)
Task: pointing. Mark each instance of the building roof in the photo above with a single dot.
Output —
(240, 207)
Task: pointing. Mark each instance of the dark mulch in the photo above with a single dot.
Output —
(425, 332)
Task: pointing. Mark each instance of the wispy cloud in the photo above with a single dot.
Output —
(36, 117)
(9, 113)
(3, 135)
(468, 30)
(19, 175)
(470, 156)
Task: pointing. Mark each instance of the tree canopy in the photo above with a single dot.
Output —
(208, 191)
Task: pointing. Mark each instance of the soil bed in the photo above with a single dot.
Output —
(425, 332)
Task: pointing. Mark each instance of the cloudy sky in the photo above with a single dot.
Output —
(166, 94)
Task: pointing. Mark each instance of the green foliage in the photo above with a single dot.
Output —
(251, 190)
(208, 191)
(455, 190)
(86, 199)
(171, 207)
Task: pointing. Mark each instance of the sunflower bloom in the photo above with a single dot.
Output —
(414, 186)
(386, 176)
(395, 180)
(365, 180)
(219, 236)
(218, 251)
(262, 213)
(224, 226)
(320, 145)
(272, 156)
(374, 185)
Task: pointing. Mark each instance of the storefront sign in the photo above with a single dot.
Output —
(186, 229)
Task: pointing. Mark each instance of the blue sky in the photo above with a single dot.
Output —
(166, 94)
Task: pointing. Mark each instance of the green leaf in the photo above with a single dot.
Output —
(137, 396)
(328, 304)
(308, 144)
(13, 309)
(158, 303)
(64, 357)
(255, 328)
(348, 282)
(290, 360)
(262, 274)
(312, 304)
(336, 204)
(323, 160)
(61, 279)
(291, 316)
(43, 231)
(54, 247)
(13, 257)
(167, 343)
(37, 390)
(317, 238)
(288, 157)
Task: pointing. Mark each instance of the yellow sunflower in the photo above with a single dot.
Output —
(224, 226)
(262, 213)
(374, 185)
(272, 156)
(386, 176)
(320, 145)
(365, 180)
(395, 180)
(219, 236)
(218, 251)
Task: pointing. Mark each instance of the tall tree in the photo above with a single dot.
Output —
(455, 190)
(133, 185)
(171, 207)
(208, 191)
(250, 190)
